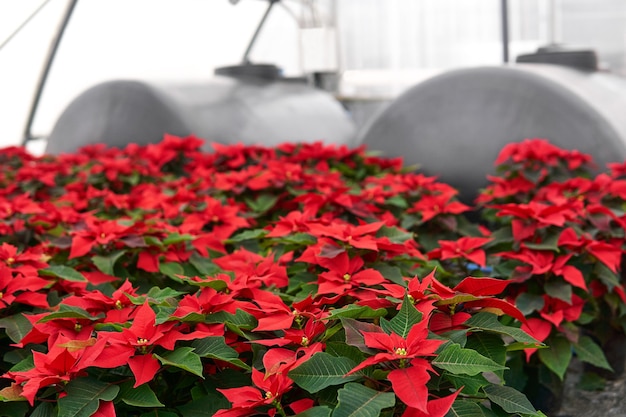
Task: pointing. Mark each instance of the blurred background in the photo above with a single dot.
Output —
(361, 51)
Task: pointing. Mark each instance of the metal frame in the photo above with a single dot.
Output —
(504, 17)
(54, 46)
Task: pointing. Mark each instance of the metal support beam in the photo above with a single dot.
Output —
(246, 55)
(504, 10)
(54, 46)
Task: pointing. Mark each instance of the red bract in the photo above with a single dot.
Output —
(269, 388)
(465, 247)
(135, 344)
(433, 205)
(409, 378)
(532, 216)
(545, 262)
(96, 232)
(17, 288)
(470, 295)
(66, 360)
(344, 274)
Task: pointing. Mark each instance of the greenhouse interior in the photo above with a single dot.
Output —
(313, 208)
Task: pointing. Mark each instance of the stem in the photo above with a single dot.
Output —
(280, 408)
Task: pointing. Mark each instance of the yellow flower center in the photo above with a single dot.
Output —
(1, 295)
(347, 277)
(400, 352)
(142, 341)
(78, 327)
(411, 298)
(269, 395)
(305, 341)
(118, 305)
(103, 235)
(10, 260)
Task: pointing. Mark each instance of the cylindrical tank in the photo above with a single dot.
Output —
(454, 125)
(224, 110)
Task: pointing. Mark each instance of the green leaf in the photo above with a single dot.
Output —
(69, 312)
(340, 349)
(16, 326)
(323, 370)
(241, 319)
(215, 347)
(608, 277)
(161, 413)
(471, 384)
(356, 400)
(300, 239)
(63, 272)
(557, 358)
(25, 364)
(153, 241)
(550, 243)
(204, 406)
(559, 289)
(320, 411)
(353, 311)
(489, 322)
(84, 395)
(205, 266)
(397, 201)
(392, 273)
(394, 234)
(172, 270)
(106, 264)
(490, 346)
(263, 203)
(407, 317)
(463, 408)
(457, 360)
(175, 238)
(588, 351)
(183, 358)
(252, 234)
(43, 410)
(590, 381)
(510, 399)
(528, 303)
(142, 396)
(161, 295)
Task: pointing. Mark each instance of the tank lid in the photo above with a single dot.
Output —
(582, 59)
(268, 72)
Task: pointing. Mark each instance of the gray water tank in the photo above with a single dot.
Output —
(455, 124)
(223, 109)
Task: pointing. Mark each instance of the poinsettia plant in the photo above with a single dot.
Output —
(160, 280)
(557, 232)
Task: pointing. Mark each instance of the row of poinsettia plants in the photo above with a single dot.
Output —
(302, 280)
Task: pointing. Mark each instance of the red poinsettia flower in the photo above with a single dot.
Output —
(465, 247)
(527, 218)
(410, 377)
(96, 232)
(26, 262)
(269, 387)
(541, 262)
(345, 273)
(136, 342)
(432, 205)
(65, 360)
